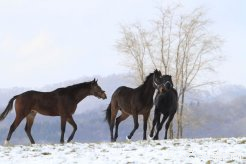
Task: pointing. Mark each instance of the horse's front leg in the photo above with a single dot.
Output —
(145, 118)
(71, 121)
(167, 125)
(136, 125)
(159, 127)
(63, 128)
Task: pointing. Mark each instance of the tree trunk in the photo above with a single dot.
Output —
(180, 116)
(170, 131)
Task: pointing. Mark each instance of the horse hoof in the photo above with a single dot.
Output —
(155, 138)
(6, 143)
(128, 139)
(62, 142)
(150, 138)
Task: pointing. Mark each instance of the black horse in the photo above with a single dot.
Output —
(60, 102)
(166, 103)
(132, 102)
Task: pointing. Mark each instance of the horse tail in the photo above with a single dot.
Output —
(8, 108)
(108, 114)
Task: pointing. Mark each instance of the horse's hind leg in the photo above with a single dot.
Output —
(72, 122)
(29, 122)
(122, 117)
(167, 125)
(114, 111)
(136, 125)
(14, 125)
(156, 119)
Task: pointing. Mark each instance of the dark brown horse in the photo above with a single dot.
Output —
(60, 102)
(166, 103)
(132, 102)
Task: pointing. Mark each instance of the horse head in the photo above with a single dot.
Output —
(157, 79)
(166, 83)
(97, 91)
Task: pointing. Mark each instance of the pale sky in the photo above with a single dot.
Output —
(50, 41)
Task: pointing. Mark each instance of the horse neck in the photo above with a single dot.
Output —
(80, 93)
(170, 94)
(148, 91)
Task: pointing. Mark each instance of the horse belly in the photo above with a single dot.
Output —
(125, 109)
(46, 108)
(143, 110)
(46, 112)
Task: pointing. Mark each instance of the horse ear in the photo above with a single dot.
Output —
(155, 71)
(94, 80)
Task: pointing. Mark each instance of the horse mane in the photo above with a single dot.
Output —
(147, 79)
(145, 83)
(78, 86)
(74, 87)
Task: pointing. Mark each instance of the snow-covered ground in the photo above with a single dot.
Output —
(208, 150)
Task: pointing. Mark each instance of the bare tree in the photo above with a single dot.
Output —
(178, 44)
(194, 55)
(133, 44)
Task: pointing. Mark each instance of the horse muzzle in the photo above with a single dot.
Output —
(103, 96)
(168, 85)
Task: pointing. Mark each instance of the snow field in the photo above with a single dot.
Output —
(208, 150)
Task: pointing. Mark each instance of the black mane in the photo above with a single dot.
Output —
(78, 86)
(147, 79)
(75, 87)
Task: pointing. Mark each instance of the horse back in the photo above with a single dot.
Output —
(123, 93)
(129, 100)
(46, 103)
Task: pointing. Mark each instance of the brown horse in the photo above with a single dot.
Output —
(132, 102)
(60, 102)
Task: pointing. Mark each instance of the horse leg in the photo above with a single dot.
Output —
(122, 117)
(167, 125)
(29, 122)
(114, 111)
(159, 127)
(156, 120)
(74, 125)
(145, 119)
(14, 125)
(63, 128)
(136, 125)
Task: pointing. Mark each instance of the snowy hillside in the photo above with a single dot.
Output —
(209, 150)
(219, 112)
